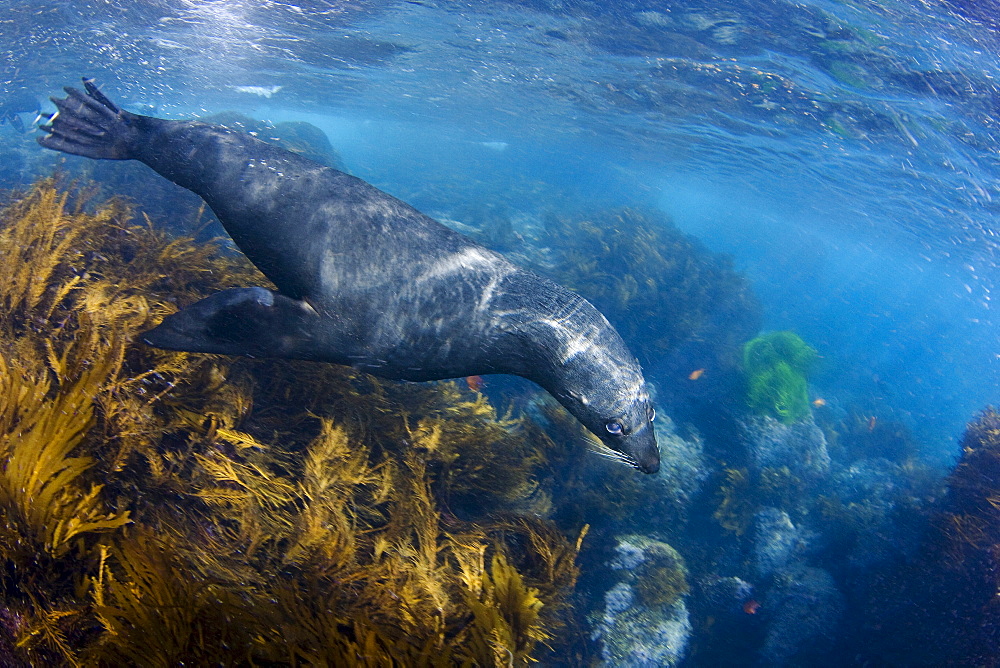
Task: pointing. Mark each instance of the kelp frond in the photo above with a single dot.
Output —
(38, 475)
(333, 475)
(43, 636)
(506, 623)
(43, 238)
(155, 614)
(410, 553)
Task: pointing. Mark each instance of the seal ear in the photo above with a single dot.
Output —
(240, 321)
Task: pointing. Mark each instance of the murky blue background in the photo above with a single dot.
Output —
(845, 153)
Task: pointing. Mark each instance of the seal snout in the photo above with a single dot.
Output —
(648, 460)
(652, 465)
(642, 449)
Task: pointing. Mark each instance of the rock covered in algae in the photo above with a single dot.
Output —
(604, 493)
(296, 136)
(682, 464)
(776, 541)
(879, 502)
(645, 620)
(800, 446)
(941, 606)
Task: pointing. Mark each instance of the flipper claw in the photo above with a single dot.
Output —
(95, 92)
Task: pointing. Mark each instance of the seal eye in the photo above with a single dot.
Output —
(614, 427)
(651, 413)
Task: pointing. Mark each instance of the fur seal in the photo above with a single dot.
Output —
(365, 279)
(15, 103)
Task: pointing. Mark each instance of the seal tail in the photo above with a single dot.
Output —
(90, 125)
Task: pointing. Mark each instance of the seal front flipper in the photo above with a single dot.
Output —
(91, 125)
(241, 321)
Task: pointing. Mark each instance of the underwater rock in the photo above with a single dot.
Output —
(601, 492)
(726, 595)
(869, 494)
(776, 541)
(805, 608)
(658, 286)
(861, 436)
(682, 467)
(800, 446)
(645, 620)
(728, 619)
(307, 140)
(296, 136)
(490, 224)
(873, 480)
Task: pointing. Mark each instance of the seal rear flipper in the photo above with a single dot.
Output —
(241, 321)
(90, 125)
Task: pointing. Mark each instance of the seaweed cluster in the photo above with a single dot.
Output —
(657, 286)
(164, 508)
(775, 366)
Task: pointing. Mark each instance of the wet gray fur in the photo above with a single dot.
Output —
(364, 279)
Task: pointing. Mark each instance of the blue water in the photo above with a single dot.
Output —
(845, 154)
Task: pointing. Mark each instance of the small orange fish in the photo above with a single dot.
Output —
(871, 423)
(475, 383)
(696, 374)
(819, 402)
(751, 607)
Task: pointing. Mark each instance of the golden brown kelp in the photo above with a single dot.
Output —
(506, 618)
(357, 556)
(479, 460)
(161, 508)
(39, 477)
(156, 612)
(68, 400)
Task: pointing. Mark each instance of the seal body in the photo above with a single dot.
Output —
(364, 279)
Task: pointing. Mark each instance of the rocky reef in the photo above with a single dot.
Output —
(658, 286)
